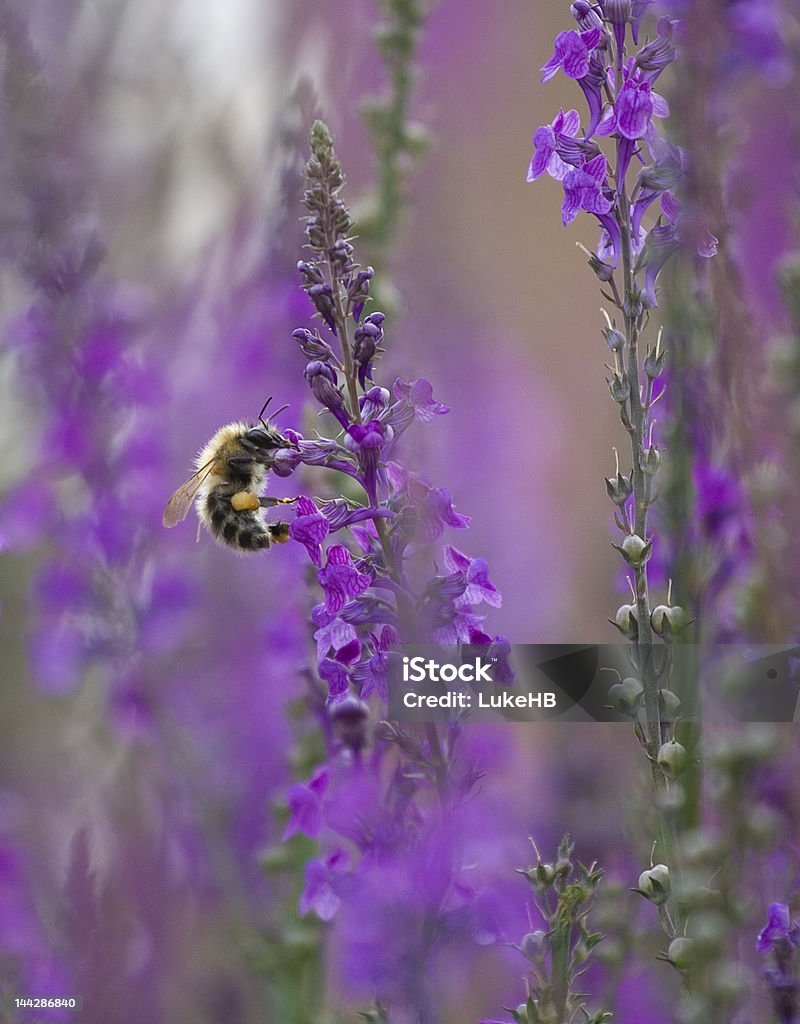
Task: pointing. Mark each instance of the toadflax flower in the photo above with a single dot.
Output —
(779, 929)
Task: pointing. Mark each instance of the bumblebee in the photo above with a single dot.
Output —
(229, 484)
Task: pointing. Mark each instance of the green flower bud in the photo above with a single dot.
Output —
(625, 621)
(627, 696)
(619, 488)
(681, 954)
(673, 757)
(667, 620)
(654, 884)
(669, 704)
(634, 550)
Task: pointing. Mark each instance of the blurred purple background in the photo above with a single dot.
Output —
(145, 676)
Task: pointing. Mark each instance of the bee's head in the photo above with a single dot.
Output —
(264, 439)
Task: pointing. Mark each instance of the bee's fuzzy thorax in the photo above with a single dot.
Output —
(225, 435)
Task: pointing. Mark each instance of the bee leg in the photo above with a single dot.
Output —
(279, 532)
(245, 500)
(272, 502)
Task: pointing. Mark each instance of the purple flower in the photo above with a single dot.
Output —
(322, 878)
(545, 146)
(631, 117)
(335, 675)
(571, 53)
(367, 441)
(661, 243)
(305, 805)
(476, 573)
(373, 674)
(498, 651)
(779, 929)
(419, 395)
(434, 508)
(340, 580)
(310, 528)
(332, 632)
(374, 403)
(583, 190)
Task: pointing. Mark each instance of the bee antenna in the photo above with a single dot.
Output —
(263, 410)
(279, 411)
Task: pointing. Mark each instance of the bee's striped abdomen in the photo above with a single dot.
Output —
(242, 531)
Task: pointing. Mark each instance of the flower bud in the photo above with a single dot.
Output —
(669, 705)
(585, 15)
(322, 297)
(654, 363)
(350, 718)
(619, 387)
(358, 291)
(618, 12)
(681, 953)
(654, 884)
(634, 550)
(650, 460)
(340, 253)
(322, 380)
(673, 757)
(614, 339)
(619, 488)
(625, 621)
(603, 271)
(534, 946)
(626, 697)
(667, 620)
(310, 273)
(311, 345)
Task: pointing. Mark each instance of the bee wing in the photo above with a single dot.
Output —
(181, 501)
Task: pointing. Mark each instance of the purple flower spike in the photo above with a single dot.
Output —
(583, 190)
(571, 53)
(340, 580)
(419, 395)
(310, 528)
(545, 146)
(779, 929)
